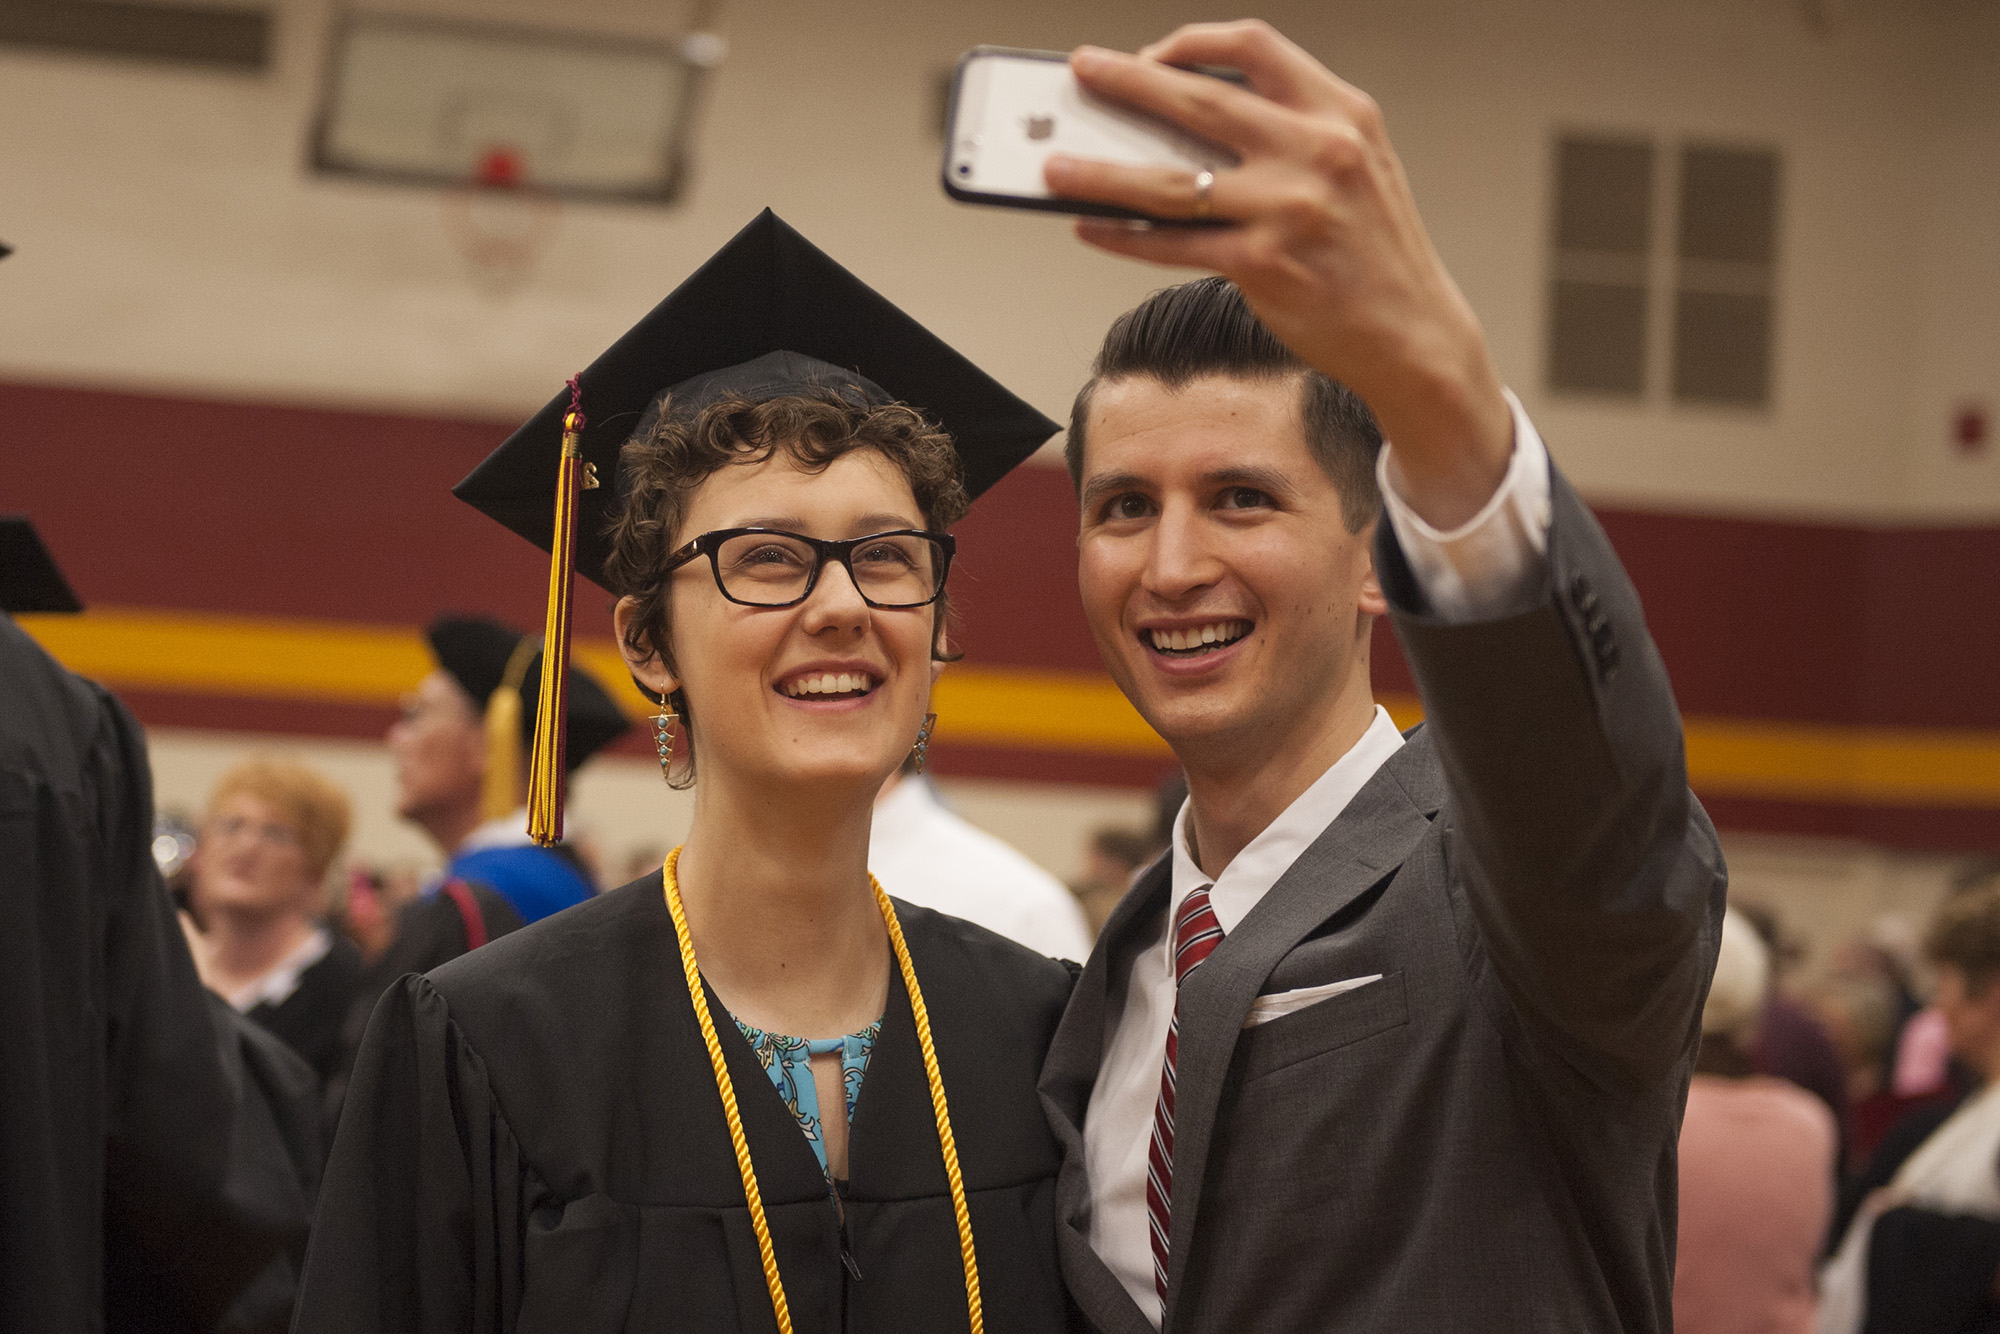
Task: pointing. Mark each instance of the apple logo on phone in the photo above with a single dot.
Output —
(1040, 127)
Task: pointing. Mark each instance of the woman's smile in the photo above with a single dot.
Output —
(830, 685)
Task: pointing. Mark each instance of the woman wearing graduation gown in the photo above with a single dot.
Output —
(746, 1092)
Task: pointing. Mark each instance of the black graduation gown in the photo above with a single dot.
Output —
(309, 1021)
(533, 1141)
(150, 1163)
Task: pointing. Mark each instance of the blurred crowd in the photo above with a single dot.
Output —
(1835, 1119)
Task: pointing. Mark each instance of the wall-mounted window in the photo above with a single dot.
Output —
(1661, 280)
(1725, 255)
(1604, 239)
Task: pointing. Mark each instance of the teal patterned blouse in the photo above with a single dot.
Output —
(788, 1061)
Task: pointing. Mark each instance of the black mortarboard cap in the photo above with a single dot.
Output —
(477, 652)
(768, 314)
(30, 580)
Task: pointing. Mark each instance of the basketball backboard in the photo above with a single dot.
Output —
(440, 101)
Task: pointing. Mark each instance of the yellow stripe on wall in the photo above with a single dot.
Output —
(269, 658)
(1864, 766)
(257, 657)
(1041, 710)
(340, 662)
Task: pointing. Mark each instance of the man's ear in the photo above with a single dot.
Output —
(1371, 601)
(648, 672)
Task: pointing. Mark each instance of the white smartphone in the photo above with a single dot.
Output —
(1011, 109)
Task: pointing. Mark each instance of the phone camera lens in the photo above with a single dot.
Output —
(965, 168)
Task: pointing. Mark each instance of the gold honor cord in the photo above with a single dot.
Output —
(974, 1308)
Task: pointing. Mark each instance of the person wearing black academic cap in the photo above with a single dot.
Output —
(459, 750)
(748, 1090)
(156, 1151)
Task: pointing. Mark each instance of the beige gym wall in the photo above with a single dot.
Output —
(170, 234)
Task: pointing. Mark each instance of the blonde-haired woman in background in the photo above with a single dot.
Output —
(1756, 1168)
(270, 836)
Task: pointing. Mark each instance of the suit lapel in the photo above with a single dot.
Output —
(1067, 1076)
(1368, 840)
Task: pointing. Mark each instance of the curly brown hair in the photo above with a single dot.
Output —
(660, 473)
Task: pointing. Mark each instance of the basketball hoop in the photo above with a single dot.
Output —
(499, 221)
(507, 120)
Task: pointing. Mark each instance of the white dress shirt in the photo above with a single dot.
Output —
(923, 852)
(1491, 566)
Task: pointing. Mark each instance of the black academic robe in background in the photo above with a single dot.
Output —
(431, 931)
(1932, 1273)
(144, 1177)
(533, 1141)
(311, 1020)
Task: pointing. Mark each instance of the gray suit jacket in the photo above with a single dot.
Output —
(1485, 1138)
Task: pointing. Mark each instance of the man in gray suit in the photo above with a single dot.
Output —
(1397, 1035)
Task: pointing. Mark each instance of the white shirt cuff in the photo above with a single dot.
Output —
(1494, 564)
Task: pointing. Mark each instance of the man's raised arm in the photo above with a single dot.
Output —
(1589, 867)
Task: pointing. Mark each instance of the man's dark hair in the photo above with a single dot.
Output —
(1205, 327)
(1966, 935)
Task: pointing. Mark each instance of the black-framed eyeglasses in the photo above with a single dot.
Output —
(768, 567)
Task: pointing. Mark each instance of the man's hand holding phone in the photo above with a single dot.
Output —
(1323, 238)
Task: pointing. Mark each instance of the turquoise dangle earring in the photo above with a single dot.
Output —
(663, 737)
(923, 741)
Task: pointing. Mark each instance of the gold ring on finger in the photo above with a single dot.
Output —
(1204, 189)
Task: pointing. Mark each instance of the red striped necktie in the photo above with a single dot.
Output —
(1196, 934)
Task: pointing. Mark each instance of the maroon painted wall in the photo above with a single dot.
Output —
(343, 515)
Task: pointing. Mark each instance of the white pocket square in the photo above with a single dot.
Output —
(1279, 1003)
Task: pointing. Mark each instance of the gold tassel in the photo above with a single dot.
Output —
(547, 770)
(500, 789)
